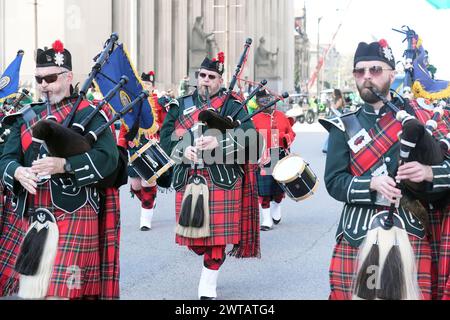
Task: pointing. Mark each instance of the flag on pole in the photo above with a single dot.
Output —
(142, 116)
(9, 81)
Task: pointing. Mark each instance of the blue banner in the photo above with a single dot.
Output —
(9, 81)
(116, 66)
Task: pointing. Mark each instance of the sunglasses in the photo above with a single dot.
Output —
(374, 71)
(49, 78)
(204, 75)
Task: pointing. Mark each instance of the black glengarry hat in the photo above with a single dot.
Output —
(376, 51)
(57, 56)
(149, 77)
(216, 64)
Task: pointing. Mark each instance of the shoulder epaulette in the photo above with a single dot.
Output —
(337, 121)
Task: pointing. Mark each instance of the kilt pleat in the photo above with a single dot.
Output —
(109, 223)
(11, 236)
(344, 262)
(225, 213)
(444, 259)
(76, 271)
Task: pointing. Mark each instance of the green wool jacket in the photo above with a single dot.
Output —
(231, 145)
(69, 192)
(361, 202)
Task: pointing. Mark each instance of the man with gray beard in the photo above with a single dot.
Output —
(65, 254)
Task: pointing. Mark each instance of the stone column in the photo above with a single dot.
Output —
(164, 62)
(87, 26)
(147, 44)
(181, 47)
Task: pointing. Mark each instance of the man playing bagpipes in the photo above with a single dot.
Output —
(141, 189)
(382, 249)
(215, 202)
(70, 250)
(278, 135)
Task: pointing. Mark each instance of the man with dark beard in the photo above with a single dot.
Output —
(361, 163)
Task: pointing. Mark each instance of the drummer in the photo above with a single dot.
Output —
(141, 189)
(277, 131)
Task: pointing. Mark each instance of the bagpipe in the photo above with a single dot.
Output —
(417, 143)
(67, 139)
(8, 109)
(386, 261)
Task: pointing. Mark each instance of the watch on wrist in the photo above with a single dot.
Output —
(67, 167)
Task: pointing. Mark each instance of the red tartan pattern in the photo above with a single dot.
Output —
(59, 111)
(444, 258)
(225, 214)
(343, 268)
(384, 136)
(78, 247)
(249, 245)
(13, 231)
(186, 122)
(213, 257)
(109, 238)
(434, 236)
(147, 196)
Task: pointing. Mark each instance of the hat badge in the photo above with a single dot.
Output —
(59, 59)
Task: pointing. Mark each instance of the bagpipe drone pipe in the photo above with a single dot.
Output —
(56, 136)
(8, 109)
(418, 144)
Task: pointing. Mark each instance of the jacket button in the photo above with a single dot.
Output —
(356, 180)
(388, 159)
(91, 176)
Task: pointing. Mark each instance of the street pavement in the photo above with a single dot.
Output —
(295, 254)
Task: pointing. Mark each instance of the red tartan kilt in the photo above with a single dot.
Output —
(77, 257)
(109, 226)
(444, 258)
(343, 268)
(12, 232)
(225, 215)
(78, 254)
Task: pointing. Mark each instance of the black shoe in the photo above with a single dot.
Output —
(145, 229)
(207, 298)
(265, 228)
(276, 221)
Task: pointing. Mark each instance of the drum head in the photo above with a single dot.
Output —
(288, 168)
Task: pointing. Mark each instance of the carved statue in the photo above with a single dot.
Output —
(265, 60)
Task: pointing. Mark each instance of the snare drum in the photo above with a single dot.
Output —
(150, 162)
(295, 177)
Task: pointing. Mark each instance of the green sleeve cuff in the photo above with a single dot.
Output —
(85, 170)
(359, 192)
(8, 178)
(441, 176)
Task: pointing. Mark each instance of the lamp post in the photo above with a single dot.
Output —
(318, 54)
